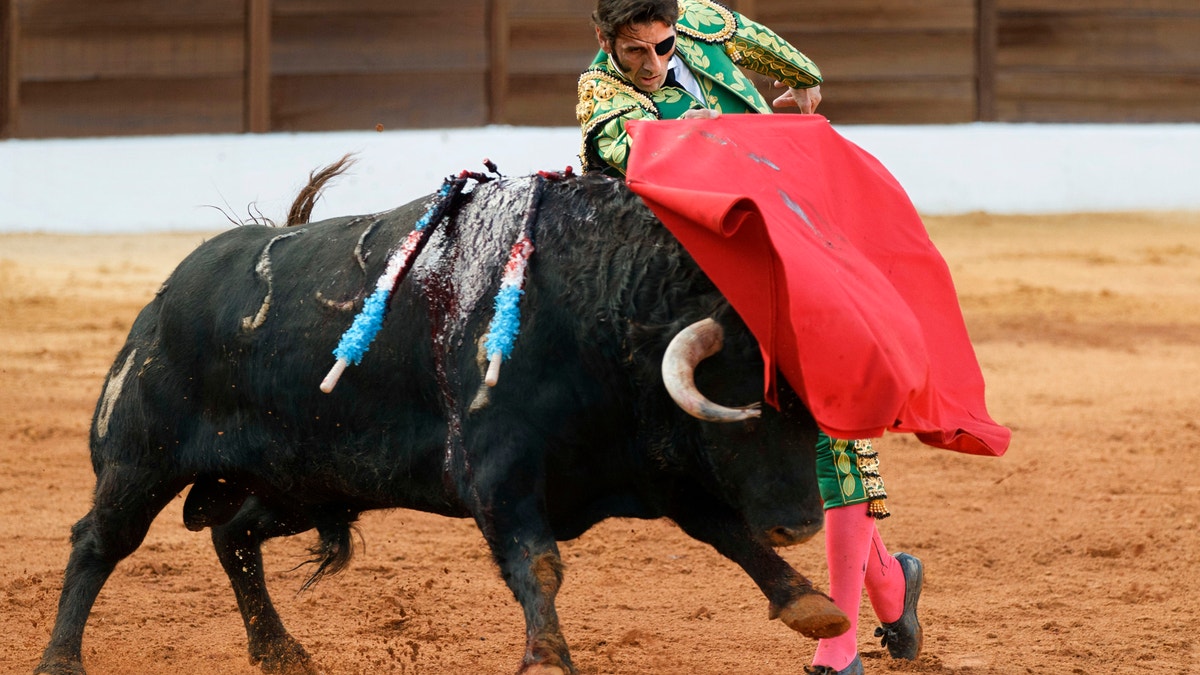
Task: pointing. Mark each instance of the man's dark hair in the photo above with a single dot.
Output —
(613, 15)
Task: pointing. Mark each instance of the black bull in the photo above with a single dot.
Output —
(217, 387)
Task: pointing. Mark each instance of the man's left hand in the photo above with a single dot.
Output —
(806, 100)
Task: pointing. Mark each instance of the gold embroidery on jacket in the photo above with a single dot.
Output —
(602, 90)
(704, 13)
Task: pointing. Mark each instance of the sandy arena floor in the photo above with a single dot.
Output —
(1075, 553)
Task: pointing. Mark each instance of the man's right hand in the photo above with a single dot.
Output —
(701, 114)
(806, 100)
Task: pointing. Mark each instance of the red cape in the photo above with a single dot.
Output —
(823, 255)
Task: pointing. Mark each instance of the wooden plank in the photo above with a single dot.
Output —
(579, 10)
(380, 44)
(402, 64)
(547, 62)
(553, 32)
(1066, 97)
(746, 7)
(545, 100)
(326, 7)
(10, 73)
(361, 101)
(1111, 43)
(865, 15)
(499, 46)
(985, 62)
(176, 51)
(258, 66)
(554, 45)
(131, 107)
(367, 8)
(924, 101)
(890, 55)
(1093, 6)
(61, 17)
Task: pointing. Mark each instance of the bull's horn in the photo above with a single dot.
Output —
(687, 349)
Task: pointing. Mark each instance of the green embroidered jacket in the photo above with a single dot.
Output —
(713, 41)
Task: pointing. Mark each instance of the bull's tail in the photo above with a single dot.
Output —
(317, 180)
(334, 548)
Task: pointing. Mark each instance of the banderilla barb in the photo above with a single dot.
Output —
(506, 321)
(358, 337)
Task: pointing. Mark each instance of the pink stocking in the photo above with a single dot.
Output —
(848, 535)
(884, 582)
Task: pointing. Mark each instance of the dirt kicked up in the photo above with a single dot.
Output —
(1072, 554)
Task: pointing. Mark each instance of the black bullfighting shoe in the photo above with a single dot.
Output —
(855, 668)
(903, 637)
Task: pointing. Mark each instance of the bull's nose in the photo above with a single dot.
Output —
(788, 536)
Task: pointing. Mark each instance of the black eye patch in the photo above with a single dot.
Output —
(663, 48)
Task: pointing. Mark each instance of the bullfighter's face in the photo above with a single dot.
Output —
(642, 52)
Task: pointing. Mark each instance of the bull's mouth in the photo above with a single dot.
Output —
(781, 537)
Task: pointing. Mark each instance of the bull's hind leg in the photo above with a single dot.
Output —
(239, 547)
(126, 501)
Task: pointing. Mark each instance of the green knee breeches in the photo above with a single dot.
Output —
(848, 473)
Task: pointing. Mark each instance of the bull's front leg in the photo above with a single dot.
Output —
(508, 503)
(794, 600)
(533, 570)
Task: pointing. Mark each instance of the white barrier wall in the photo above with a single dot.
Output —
(168, 183)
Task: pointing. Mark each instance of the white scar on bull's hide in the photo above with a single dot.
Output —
(360, 257)
(263, 270)
(112, 391)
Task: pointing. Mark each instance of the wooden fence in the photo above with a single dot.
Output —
(83, 68)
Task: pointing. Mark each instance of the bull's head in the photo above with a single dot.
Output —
(763, 459)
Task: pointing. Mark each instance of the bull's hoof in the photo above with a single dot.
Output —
(59, 666)
(543, 669)
(290, 667)
(547, 654)
(287, 658)
(812, 615)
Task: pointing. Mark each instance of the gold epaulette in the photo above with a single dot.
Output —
(597, 91)
(705, 21)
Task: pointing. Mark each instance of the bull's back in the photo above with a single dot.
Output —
(220, 371)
